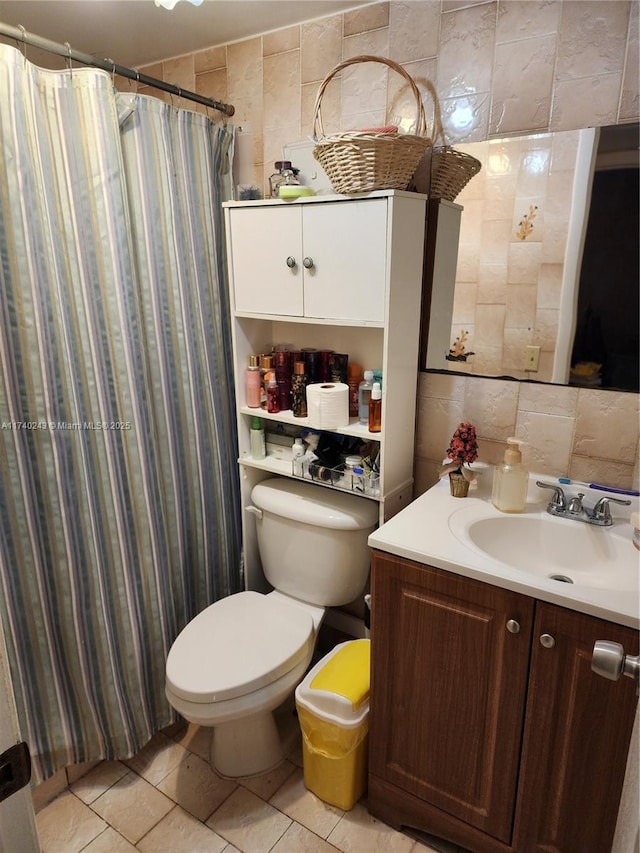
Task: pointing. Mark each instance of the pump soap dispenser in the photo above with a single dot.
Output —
(510, 480)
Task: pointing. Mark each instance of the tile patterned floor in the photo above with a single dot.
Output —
(167, 799)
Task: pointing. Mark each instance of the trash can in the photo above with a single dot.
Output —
(333, 709)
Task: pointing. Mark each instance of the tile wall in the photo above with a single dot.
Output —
(497, 68)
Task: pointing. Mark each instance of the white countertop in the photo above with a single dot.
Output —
(423, 532)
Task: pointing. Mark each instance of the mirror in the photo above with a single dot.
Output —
(546, 279)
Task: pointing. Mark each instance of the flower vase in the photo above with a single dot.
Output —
(459, 485)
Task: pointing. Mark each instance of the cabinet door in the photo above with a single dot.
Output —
(262, 239)
(347, 244)
(448, 690)
(577, 734)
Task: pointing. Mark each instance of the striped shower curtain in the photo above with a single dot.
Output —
(119, 505)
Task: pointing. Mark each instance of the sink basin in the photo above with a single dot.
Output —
(558, 549)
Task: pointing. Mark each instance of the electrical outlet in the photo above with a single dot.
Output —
(531, 359)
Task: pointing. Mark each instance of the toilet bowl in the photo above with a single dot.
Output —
(242, 657)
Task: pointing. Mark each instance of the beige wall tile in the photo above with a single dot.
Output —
(180, 71)
(522, 84)
(281, 91)
(550, 399)
(548, 441)
(607, 425)
(545, 331)
(281, 41)
(489, 325)
(370, 17)
(244, 70)
(521, 19)
(570, 96)
(330, 107)
(549, 284)
(524, 262)
(492, 283)
(630, 100)
(521, 306)
(442, 385)
(438, 419)
(213, 84)
(371, 43)
(321, 43)
(491, 405)
(210, 60)
(592, 35)
(364, 88)
(401, 100)
(602, 471)
(414, 29)
(465, 56)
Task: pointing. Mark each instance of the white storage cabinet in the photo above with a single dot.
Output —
(332, 273)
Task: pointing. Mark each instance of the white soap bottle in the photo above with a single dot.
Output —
(510, 480)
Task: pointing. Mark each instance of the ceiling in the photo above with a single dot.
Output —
(137, 32)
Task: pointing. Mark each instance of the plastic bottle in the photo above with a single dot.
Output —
(266, 371)
(299, 390)
(252, 383)
(297, 452)
(354, 379)
(510, 480)
(364, 395)
(258, 445)
(273, 396)
(375, 408)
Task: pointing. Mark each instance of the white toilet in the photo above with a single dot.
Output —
(243, 656)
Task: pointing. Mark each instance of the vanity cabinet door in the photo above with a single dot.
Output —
(449, 682)
(577, 734)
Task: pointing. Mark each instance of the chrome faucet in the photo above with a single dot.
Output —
(574, 509)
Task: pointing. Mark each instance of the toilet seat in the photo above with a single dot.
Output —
(237, 646)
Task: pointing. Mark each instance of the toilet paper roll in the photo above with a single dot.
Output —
(328, 405)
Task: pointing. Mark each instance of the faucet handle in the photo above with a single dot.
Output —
(558, 500)
(575, 504)
(601, 510)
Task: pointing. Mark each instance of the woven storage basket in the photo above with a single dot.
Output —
(451, 171)
(359, 162)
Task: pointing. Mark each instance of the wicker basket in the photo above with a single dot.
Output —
(359, 162)
(451, 171)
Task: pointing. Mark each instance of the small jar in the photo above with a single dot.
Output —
(281, 166)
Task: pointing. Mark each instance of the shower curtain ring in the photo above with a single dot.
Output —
(68, 59)
(113, 72)
(23, 49)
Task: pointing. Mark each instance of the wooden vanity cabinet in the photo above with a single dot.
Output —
(481, 734)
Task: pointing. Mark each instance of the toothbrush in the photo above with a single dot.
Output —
(566, 481)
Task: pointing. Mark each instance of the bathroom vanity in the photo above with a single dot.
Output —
(488, 726)
(335, 273)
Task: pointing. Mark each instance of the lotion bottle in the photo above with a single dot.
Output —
(257, 439)
(375, 408)
(510, 480)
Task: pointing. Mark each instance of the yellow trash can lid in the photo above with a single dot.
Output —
(337, 687)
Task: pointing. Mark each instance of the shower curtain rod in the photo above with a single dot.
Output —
(21, 35)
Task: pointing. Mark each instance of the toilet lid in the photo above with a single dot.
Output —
(238, 645)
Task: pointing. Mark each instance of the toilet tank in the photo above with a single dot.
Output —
(313, 541)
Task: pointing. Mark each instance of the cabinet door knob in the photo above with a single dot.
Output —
(307, 263)
(513, 627)
(547, 641)
(291, 262)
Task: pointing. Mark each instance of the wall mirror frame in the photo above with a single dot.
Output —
(541, 283)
